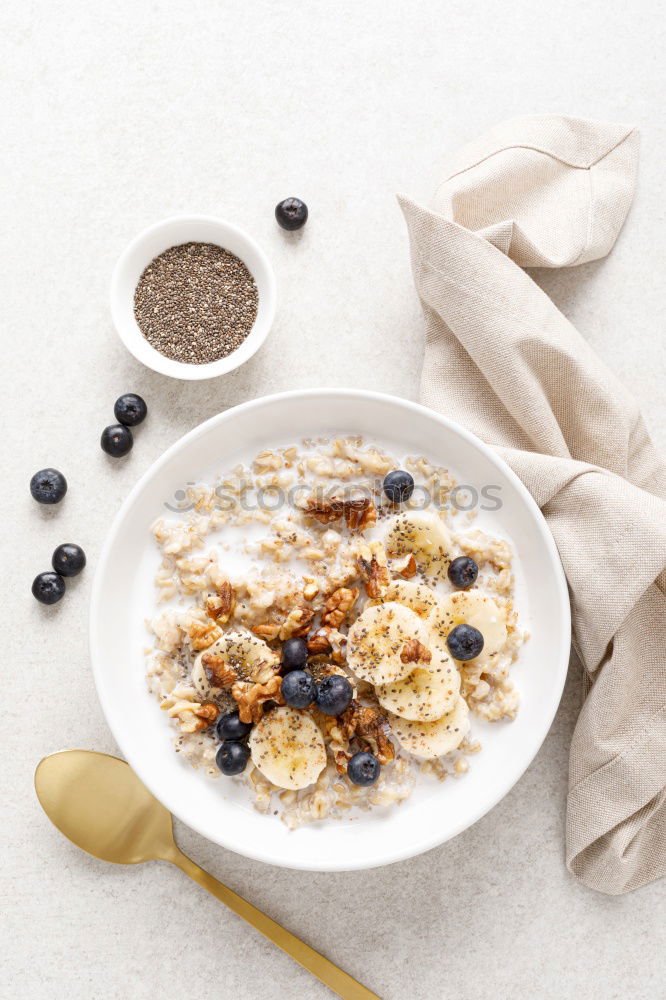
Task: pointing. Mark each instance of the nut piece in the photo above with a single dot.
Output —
(218, 670)
(327, 640)
(358, 513)
(368, 725)
(192, 715)
(339, 603)
(203, 636)
(250, 698)
(358, 517)
(415, 652)
(206, 715)
(404, 566)
(268, 631)
(296, 623)
(373, 568)
(220, 606)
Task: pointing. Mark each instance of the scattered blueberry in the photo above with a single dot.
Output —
(130, 409)
(68, 559)
(116, 440)
(463, 572)
(398, 486)
(334, 695)
(298, 689)
(292, 213)
(230, 727)
(48, 486)
(465, 642)
(294, 654)
(232, 757)
(48, 588)
(363, 768)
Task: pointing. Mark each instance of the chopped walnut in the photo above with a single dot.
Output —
(297, 623)
(310, 590)
(339, 603)
(220, 606)
(218, 670)
(193, 716)
(415, 652)
(369, 725)
(267, 631)
(404, 566)
(357, 512)
(359, 518)
(327, 640)
(250, 698)
(373, 568)
(203, 636)
(206, 714)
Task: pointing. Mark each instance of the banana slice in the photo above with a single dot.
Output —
(428, 692)
(377, 639)
(288, 748)
(425, 535)
(415, 596)
(432, 739)
(245, 654)
(471, 608)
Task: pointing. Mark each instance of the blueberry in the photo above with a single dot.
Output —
(465, 642)
(298, 689)
(48, 486)
(48, 588)
(116, 440)
(292, 213)
(398, 486)
(334, 695)
(230, 727)
(363, 768)
(294, 654)
(463, 572)
(68, 559)
(130, 409)
(232, 757)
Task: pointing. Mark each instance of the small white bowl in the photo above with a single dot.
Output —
(154, 241)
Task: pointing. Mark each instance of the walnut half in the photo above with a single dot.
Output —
(203, 636)
(250, 697)
(358, 512)
(415, 652)
(368, 725)
(220, 606)
(218, 670)
(338, 605)
(373, 568)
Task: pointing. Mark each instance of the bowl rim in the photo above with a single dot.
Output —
(426, 842)
(130, 335)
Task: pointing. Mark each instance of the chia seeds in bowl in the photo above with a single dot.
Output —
(196, 303)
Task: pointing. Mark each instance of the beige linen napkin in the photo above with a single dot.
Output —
(502, 360)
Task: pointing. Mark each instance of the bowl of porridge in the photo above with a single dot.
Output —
(329, 629)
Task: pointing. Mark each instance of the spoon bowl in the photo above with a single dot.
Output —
(99, 804)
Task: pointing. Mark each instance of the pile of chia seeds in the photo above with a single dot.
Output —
(196, 303)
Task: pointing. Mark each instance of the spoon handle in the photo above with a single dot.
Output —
(333, 977)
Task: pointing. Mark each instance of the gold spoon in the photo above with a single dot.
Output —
(101, 806)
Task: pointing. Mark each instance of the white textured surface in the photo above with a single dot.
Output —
(116, 115)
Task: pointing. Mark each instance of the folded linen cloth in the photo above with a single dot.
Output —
(501, 359)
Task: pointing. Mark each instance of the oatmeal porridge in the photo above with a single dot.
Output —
(331, 624)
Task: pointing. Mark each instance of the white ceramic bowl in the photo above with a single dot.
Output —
(123, 596)
(155, 240)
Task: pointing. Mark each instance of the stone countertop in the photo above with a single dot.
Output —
(117, 115)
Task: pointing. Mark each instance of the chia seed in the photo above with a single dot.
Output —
(196, 303)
